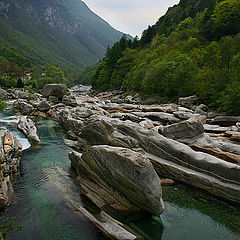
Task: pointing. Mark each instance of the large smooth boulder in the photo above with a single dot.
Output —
(201, 109)
(215, 128)
(57, 90)
(121, 171)
(185, 115)
(27, 126)
(225, 120)
(187, 102)
(43, 106)
(53, 99)
(3, 94)
(168, 108)
(185, 129)
(24, 107)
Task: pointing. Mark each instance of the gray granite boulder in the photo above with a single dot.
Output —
(187, 102)
(215, 128)
(158, 116)
(185, 115)
(185, 129)
(27, 126)
(170, 158)
(57, 90)
(70, 100)
(3, 93)
(225, 120)
(201, 109)
(121, 171)
(23, 107)
(43, 106)
(53, 99)
(21, 93)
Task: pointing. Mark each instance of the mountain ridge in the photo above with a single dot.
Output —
(64, 33)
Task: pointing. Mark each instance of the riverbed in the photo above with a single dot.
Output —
(46, 188)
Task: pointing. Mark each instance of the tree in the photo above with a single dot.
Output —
(135, 42)
(20, 83)
(7, 81)
(124, 64)
(3, 105)
(210, 56)
(54, 74)
(226, 17)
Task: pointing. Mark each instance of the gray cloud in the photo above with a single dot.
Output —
(130, 16)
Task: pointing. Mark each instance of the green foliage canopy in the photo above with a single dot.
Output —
(192, 56)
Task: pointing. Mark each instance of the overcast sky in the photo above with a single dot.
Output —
(130, 16)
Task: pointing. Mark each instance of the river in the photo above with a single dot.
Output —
(46, 188)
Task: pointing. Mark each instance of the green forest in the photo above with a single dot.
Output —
(193, 49)
(13, 65)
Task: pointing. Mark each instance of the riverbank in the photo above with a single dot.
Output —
(44, 191)
(93, 120)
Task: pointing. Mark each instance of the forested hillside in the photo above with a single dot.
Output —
(14, 69)
(12, 65)
(193, 49)
(64, 33)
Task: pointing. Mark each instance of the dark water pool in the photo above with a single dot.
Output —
(43, 192)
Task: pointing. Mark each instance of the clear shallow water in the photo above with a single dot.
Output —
(44, 192)
(192, 215)
(9, 121)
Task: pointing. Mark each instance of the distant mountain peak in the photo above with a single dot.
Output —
(66, 33)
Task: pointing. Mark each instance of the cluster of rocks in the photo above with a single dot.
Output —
(181, 141)
(122, 181)
(37, 105)
(10, 153)
(123, 148)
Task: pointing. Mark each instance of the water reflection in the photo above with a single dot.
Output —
(191, 214)
(42, 194)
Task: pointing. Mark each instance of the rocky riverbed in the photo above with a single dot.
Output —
(123, 146)
(10, 153)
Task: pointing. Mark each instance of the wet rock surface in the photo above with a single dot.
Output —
(127, 180)
(27, 126)
(10, 153)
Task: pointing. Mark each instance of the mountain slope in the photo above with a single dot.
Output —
(66, 33)
(193, 49)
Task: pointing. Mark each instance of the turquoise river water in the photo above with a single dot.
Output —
(46, 185)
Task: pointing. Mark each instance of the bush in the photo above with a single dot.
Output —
(2, 105)
(229, 100)
(8, 82)
(8, 225)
